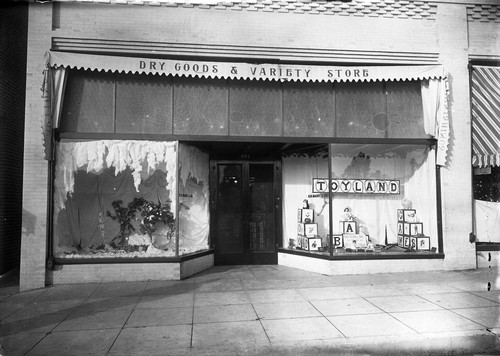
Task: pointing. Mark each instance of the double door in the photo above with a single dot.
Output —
(245, 212)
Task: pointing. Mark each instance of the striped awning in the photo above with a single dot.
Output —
(485, 116)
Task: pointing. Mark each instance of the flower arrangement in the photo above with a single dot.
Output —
(154, 213)
(151, 215)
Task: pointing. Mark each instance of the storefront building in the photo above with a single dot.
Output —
(329, 136)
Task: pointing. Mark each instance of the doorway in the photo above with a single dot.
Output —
(245, 211)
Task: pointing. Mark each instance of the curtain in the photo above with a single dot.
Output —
(53, 86)
(435, 110)
(297, 175)
(194, 218)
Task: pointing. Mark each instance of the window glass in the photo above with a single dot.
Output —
(88, 103)
(361, 110)
(486, 183)
(404, 110)
(194, 218)
(383, 200)
(200, 106)
(309, 109)
(305, 214)
(143, 104)
(384, 195)
(255, 108)
(115, 199)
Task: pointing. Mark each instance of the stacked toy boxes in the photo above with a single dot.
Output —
(351, 239)
(307, 231)
(410, 232)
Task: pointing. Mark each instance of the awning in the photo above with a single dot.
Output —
(245, 71)
(485, 116)
(433, 81)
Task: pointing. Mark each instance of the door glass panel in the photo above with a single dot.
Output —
(229, 214)
(261, 208)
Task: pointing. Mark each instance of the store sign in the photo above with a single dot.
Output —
(356, 186)
(240, 70)
(255, 71)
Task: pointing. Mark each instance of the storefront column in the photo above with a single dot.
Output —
(456, 192)
(34, 220)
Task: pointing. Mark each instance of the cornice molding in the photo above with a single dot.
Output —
(225, 52)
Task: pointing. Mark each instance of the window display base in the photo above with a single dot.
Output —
(360, 263)
(131, 270)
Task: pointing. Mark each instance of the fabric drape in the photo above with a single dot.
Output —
(436, 118)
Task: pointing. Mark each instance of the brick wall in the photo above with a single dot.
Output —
(13, 43)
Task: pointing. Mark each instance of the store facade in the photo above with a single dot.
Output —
(170, 152)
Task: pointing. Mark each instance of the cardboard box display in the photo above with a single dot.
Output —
(401, 240)
(355, 241)
(401, 228)
(406, 215)
(308, 230)
(413, 229)
(306, 216)
(420, 243)
(406, 241)
(311, 243)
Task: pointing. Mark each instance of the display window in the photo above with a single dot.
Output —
(125, 198)
(376, 199)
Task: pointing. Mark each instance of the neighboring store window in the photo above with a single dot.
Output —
(486, 182)
(119, 199)
(383, 200)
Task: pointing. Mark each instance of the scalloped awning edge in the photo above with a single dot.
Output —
(243, 71)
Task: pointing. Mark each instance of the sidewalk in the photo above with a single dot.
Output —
(260, 310)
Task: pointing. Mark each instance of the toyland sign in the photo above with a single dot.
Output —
(356, 186)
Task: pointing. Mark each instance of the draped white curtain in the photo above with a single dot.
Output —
(435, 111)
(431, 103)
(298, 173)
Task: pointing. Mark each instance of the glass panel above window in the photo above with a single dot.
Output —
(309, 109)
(361, 110)
(88, 103)
(404, 110)
(200, 107)
(143, 104)
(255, 108)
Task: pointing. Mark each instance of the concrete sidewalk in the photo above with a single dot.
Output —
(258, 310)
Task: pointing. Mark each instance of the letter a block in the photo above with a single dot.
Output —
(348, 227)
